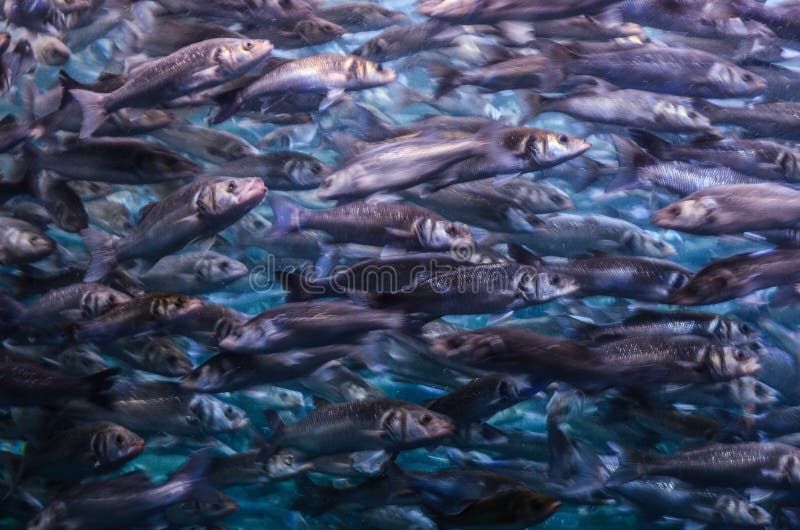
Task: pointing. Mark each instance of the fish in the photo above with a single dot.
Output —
(22, 242)
(362, 425)
(193, 273)
(377, 224)
(195, 211)
(192, 68)
(285, 170)
(131, 497)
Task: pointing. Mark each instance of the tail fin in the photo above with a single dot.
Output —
(650, 142)
(229, 103)
(293, 284)
(449, 78)
(98, 386)
(11, 311)
(194, 473)
(576, 327)
(554, 51)
(276, 425)
(103, 256)
(630, 158)
(287, 215)
(630, 466)
(94, 113)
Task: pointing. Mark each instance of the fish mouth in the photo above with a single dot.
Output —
(253, 194)
(663, 219)
(749, 367)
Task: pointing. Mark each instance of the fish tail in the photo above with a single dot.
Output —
(287, 215)
(99, 385)
(11, 311)
(294, 285)
(649, 141)
(630, 466)
(276, 427)
(630, 157)
(103, 255)
(94, 113)
(575, 327)
(449, 78)
(194, 472)
(229, 103)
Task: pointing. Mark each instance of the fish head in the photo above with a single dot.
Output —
(31, 243)
(115, 445)
(751, 393)
(316, 30)
(374, 49)
(677, 116)
(732, 80)
(95, 302)
(543, 198)
(143, 118)
(536, 287)
(284, 10)
(169, 307)
(306, 171)
(208, 377)
(217, 506)
(411, 425)
(727, 362)
(440, 234)
(530, 506)
(706, 288)
(735, 332)
(82, 360)
(738, 511)
(232, 196)
(688, 214)
(250, 336)
(789, 465)
(217, 269)
(646, 243)
(469, 348)
(239, 55)
(213, 415)
(543, 148)
(55, 516)
(166, 357)
(362, 73)
(448, 8)
(283, 465)
(51, 51)
(163, 161)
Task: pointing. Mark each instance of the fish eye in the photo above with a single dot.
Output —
(450, 230)
(692, 114)
(223, 265)
(248, 45)
(555, 280)
(288, 460)
(563, 139)
(557, 199)
(231, 187)
(316, 168)
(229, 412)
(753, 511)
(747, 77)
(379, 68)
(425, 419)
(119, 439)
(674, 210)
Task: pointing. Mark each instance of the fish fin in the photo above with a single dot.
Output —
(630, 157)
(229, 103)
(94, 114)
(515, 32)
(99, 386)
(499, 319)
(523, 221)
(574, 326)
(398, 232)
(103, 256)
(194, 473)
(523, 255)
(271, 444)
(630, 466)
(449, 78)
(203, 77)
(11, 311)
(649, 141)
(555, 51)
(331, 98)
(287, 215)
(294, 285)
